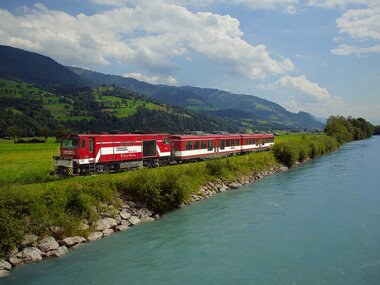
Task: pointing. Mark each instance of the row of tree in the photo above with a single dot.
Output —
(348, 129)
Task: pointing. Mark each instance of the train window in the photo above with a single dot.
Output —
(209, 145)
(237, 142)
(257, 141)
(222, 144)
(70, 143)
(165, 140)
(83, 143)
(90, 145)
(189, 145)
(203, 145)
(232, 142)
(196, 145)
(227, 142)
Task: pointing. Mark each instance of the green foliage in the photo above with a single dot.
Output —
(291, 151)
(11, 231)
(348, 129)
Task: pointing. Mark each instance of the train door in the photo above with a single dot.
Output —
(216, 146)
(91, 151)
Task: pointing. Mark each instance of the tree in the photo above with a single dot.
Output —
(14, 132)
(44, 132)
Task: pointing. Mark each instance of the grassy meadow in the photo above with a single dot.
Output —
(33, 201)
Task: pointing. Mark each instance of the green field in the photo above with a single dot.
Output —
(26, 163)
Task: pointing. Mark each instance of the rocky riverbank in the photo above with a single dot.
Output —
(34, 248)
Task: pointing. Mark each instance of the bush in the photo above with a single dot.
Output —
(11, 231)
(287, 153)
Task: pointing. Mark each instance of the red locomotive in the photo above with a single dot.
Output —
(98, 153)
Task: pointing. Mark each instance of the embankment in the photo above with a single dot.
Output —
(43, 220)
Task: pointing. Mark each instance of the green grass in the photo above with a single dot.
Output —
(26, 163)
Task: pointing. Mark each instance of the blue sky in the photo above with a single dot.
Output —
(319, 56)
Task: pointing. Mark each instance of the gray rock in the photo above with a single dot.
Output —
(62, 250)
(47, 244)
(223, 189)
(122, 228)
(71, 241)
(125, 215)
(156, 216)
(94, 236)
(118, 219)
(107, 232)
(143, 213)
(134, 220)
(4, 273)
(28, 254)
(234, 185)
(105, 223)
(83, 226)
(5, 265)
(29, 240)
(147, 219)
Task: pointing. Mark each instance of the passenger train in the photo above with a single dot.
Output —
(84, 154)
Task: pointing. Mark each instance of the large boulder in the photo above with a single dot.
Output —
(29, 240)
(122, 228)
(124, 215)
(4, 273)
(106, 223)
(71, 241)
(107, 232)
(143, 213)
(234, 185)
(47, 244)
(57, 252)
(94, 236)
(28, 254)
(134, 220)
(5, 265)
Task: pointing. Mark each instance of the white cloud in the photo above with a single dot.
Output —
(300, 94)
(149, 35)
(339, 3)
(290, 10)
(303, 85)
(116, 3)
(359, 51)
(361, 23)
(168, 80)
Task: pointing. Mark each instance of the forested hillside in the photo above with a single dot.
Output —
(27, 110)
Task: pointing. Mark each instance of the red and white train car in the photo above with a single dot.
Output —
(195, 147)
(254, 142)
(83, 154)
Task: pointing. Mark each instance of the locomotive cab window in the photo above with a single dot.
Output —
(70, 143)
(165, 140)
(83, 143)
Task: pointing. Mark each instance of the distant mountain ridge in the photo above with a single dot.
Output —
(256, 113)
(249, 111)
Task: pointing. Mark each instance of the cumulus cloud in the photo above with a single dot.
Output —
(168, 80)
(299, 93)
(149, 35)
(360, 27)
(303, 85)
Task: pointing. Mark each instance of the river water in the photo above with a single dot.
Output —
(316, 224)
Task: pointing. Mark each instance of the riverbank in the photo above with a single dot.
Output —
(45, 220)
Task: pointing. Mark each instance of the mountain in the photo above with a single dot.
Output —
(251, 111)
(32, 67)
(248, 111)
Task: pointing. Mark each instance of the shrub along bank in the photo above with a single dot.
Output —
(41, 208)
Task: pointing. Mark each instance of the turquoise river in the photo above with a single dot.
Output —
(315, 224)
